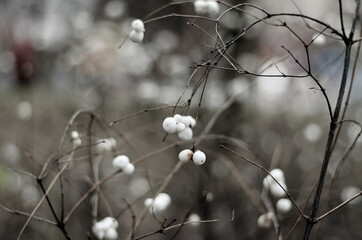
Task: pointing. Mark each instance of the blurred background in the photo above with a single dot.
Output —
(57, 57)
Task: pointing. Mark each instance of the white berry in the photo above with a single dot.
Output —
(199, 157)
(110, 222)
(276, 190)
(319, 39)
(284, 205)
(185, 155)
(348, 192)
(186, 134)
(194, 219)
(148, 202)
(169, 125)
(74, 135)
(206, 6)
(265, 220)
(138, 26)
(200, 7)
(213, 8)
(180, 127)
(178, 118)
(136, 37)
(111, 141)
(278, 174)
(77, 142)
(111, 234)
(160, 203)
(120, 162)
(189, 121)
(129, 169)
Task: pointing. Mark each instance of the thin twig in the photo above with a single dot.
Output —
(20, 213)
(338, 207)
(143, 111)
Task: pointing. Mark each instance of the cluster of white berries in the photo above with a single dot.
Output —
(181, 124)
(159, 204)
(137, 33)
(121, 162)
(283, 205)
(106, 229)
(210, 7)
(198, 157)
(75, 138)
(105, 145)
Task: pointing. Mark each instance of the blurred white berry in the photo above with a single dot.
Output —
(200, 6)
(186, 134)
(148, 202)
(194, 219)
(276, 190)
(277, 174)
(199, 157)
(111, 234)
(105, 145)
(185, 155)
(74, 134)
(120, 162)
(77, 142)
(209, 197)
(111, 141)
(24, 110)
(284, 205)
(136, 37)
(265, 220)
(169, 125)
(160, 203)
(348, 192)
(178, 118)
(312, 132)
(319, 39)
(266, 183)
(97, 232)
(189, 121)
(213, 8)
(206, 6)
(138, 26)
(180, 127)
(129, 169)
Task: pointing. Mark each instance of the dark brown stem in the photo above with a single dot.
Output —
(60, 224)
(328, 151)
(311, 221)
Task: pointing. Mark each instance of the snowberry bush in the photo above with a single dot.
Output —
(225, 121)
